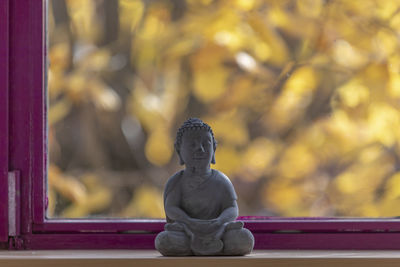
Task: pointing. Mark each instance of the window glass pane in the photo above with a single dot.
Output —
(303, 98)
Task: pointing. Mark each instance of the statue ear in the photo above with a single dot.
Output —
(213, 158)
(180, 158)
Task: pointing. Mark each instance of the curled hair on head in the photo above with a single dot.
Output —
(193, 124)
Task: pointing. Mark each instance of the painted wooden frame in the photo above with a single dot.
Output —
(4, 50)
(23, 148)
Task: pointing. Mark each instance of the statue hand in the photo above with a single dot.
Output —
(216, 223)
(205, 226)
(175, 226)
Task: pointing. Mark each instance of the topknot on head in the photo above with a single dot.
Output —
(192, 124)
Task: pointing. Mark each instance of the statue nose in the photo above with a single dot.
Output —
(200, 148)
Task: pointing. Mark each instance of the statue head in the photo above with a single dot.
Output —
(200, 136)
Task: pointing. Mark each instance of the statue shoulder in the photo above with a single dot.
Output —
(226, 183)
(222, 178)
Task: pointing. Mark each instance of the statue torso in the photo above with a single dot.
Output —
(203, 198)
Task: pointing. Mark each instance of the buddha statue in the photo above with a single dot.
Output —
(200, 202)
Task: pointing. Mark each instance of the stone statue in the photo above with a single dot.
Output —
(200, 202)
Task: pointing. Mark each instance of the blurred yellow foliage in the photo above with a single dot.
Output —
(297, 162)
(347, 55)
(68, 186)
(283, 197)
(310, 8)
(302, 81)
(353, 93)
(159, 147)
(209, 84)
(393, 187)
(384, 123)
(83, 16)
(258, 156)
(58, 56)
(58, 111)
(228, 159)
(302, 95)
(131, 14)
(97, 198)
(229, 128)
(268, 34)
(146, 202)
(247, 4)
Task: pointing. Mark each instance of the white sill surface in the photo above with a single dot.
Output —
(99, 258)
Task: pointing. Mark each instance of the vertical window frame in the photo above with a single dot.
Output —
(22, 118)
(4, 50)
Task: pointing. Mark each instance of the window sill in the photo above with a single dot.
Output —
(122, 258)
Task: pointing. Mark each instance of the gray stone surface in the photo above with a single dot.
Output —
(200, 202)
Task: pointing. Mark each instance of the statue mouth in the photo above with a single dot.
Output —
(200, 157)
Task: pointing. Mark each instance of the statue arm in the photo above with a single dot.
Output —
(172, 209)
(172, 200)
(217, 225)
(230, 213)
(230, 210)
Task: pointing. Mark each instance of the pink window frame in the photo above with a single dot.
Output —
(4, 42)
(23, 148)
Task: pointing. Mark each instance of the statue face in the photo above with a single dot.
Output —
(197, 148)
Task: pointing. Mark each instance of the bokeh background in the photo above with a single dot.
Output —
(303, 97)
